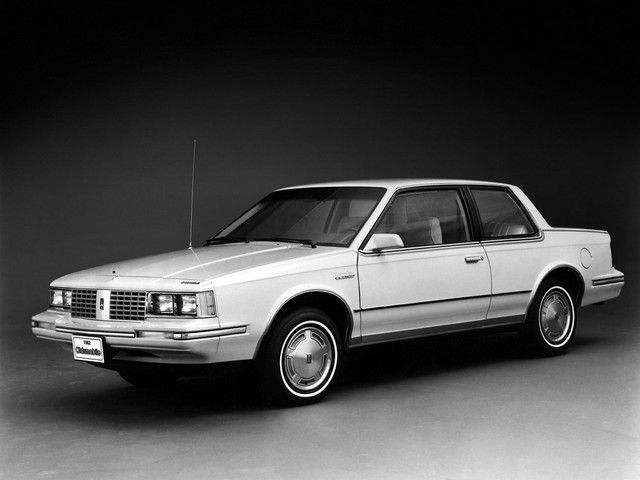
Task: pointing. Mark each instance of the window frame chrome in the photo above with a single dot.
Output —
(467, 208)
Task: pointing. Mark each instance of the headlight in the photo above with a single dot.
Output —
(187, 304)
(55, 297)
(66, 300)
(60, 298)
(181, 304)
(162, 304)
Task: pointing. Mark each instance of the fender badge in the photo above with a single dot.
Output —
(188, 282)
(345, 276)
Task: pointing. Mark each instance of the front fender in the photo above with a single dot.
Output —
(296, 291)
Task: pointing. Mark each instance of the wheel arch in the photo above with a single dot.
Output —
(329, 302)
(568, 275)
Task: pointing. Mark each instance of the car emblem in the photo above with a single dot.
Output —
(102, 304)
(344, 276)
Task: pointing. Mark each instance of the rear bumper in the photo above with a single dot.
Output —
(201, 342)
(604, 287)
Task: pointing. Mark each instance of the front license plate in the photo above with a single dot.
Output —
(88, 349)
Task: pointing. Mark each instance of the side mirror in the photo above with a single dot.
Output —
(381, 241)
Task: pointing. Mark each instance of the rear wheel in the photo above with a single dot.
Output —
(300, 359)
(551, 319)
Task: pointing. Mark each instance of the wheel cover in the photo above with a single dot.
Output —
(307, 356)
(556, 316)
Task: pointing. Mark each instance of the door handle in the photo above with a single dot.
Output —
(474, 258)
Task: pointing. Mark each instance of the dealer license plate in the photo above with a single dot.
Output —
(88, 349)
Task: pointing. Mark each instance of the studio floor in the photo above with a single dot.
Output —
(447, 408)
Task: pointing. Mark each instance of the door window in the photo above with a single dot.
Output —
(431, 217)
(500, 215)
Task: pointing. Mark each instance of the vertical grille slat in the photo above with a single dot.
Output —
(127, 305)
(83, 303)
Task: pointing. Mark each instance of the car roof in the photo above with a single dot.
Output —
(396, 183)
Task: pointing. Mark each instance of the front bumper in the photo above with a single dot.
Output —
(164, 341)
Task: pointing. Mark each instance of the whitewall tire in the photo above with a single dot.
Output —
(300, 360)
(551, 319)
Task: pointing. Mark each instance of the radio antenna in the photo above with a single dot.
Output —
(193, 176)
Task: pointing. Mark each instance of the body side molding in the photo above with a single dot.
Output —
(438, 330)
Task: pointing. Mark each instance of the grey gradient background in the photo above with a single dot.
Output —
(101, 103)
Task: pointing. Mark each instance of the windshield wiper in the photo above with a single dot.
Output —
(303, 241)
(221, 240)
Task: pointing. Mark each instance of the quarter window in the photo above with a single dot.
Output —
(431, 217)
(500, 215)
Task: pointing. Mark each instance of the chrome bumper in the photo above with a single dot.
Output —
(198, 341)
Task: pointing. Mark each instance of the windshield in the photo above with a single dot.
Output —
(320, 215)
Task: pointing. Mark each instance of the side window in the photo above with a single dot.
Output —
(432, 217)
(500, 215)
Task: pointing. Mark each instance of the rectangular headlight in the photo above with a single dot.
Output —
(66, 298)
(181, 304)
(187, 304)
(59, 298)
(55, 297)
(162, 304)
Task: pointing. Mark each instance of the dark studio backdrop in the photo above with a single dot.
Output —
(102, 101)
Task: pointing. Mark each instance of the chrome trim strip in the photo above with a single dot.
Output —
(209, 333)
(440, 329)
(92, 332)
(172, 317)
(587, 230)
(527, 239)
(421, 248)
(598, 282)
(454, 299)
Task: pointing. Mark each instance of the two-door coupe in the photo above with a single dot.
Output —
(310, 271)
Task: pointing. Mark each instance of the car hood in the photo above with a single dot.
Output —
(191, 265)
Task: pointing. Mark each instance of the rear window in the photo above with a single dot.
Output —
(500, 214)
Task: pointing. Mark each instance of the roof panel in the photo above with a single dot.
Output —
(395, 183)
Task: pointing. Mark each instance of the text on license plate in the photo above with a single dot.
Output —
(88, 349)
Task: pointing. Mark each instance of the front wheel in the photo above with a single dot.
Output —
(551, 320)
(300, 358)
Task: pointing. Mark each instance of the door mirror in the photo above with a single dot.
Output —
(382, 241)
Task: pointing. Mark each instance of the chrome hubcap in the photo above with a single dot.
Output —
(556, 316)
(307, 357)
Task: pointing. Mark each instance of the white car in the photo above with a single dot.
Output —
(311, 271)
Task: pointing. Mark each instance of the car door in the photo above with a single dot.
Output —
(510, 238)
(438, 280)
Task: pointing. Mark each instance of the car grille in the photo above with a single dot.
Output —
(83, 303)
(127, 305)
(122, 305)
